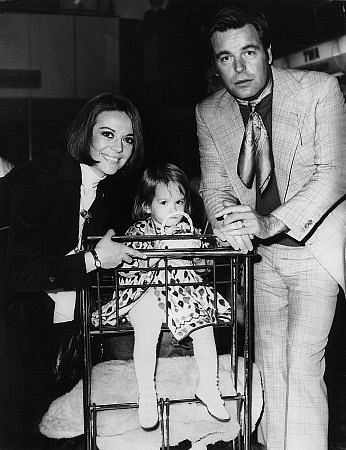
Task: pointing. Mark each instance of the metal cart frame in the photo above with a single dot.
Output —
(235, 260)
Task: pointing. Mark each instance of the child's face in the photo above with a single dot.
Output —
(167, 199)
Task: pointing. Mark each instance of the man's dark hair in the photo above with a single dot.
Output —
(233, 18)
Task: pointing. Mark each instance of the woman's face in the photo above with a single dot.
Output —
(112, 142)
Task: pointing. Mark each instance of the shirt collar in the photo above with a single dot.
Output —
(90, 179)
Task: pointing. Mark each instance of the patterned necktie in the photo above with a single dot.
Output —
(255, 156)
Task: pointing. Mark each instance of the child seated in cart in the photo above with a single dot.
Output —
(162, 200)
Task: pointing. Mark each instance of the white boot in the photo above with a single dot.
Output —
(211, 399)
(147, 409)
(146, 319)
(206, 359)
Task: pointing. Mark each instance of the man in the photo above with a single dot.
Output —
(282, 184)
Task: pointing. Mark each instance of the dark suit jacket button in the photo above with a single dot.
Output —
(51, 279)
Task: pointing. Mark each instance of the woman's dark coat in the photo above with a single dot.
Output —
(44, 225)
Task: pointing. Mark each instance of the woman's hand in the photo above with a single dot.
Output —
(111, 254)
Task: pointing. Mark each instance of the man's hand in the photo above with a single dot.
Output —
(240, 220)
(242, 243)
(240, 223)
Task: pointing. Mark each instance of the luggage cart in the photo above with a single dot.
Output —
(227, 270)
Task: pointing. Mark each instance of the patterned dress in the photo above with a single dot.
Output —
(189, 307)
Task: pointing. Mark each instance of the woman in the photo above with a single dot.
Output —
(51, 201)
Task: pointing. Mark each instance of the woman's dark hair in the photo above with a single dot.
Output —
(163, 173)
(80, 134)
(233, 18)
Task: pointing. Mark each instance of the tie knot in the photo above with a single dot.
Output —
(250, 104)
(253, 103)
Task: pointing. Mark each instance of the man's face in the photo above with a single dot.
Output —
(241, 61)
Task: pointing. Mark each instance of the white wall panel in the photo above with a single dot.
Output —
(131, 9)
(14, 48)
(52, 51)
(75, 56)
(97, 55)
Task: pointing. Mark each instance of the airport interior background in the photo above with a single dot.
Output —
(57, 53)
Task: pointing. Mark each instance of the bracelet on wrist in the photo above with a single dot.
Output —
(96, 259)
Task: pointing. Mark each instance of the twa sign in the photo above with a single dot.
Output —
(327, 57)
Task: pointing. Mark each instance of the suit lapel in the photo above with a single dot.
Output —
(287, 117)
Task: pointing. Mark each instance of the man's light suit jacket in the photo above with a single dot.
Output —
(309, 148)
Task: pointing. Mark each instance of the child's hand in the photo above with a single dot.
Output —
(201, 262)
(159, 245)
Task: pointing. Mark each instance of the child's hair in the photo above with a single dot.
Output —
(162, 173)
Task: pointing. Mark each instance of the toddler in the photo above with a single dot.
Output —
(164, 191)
